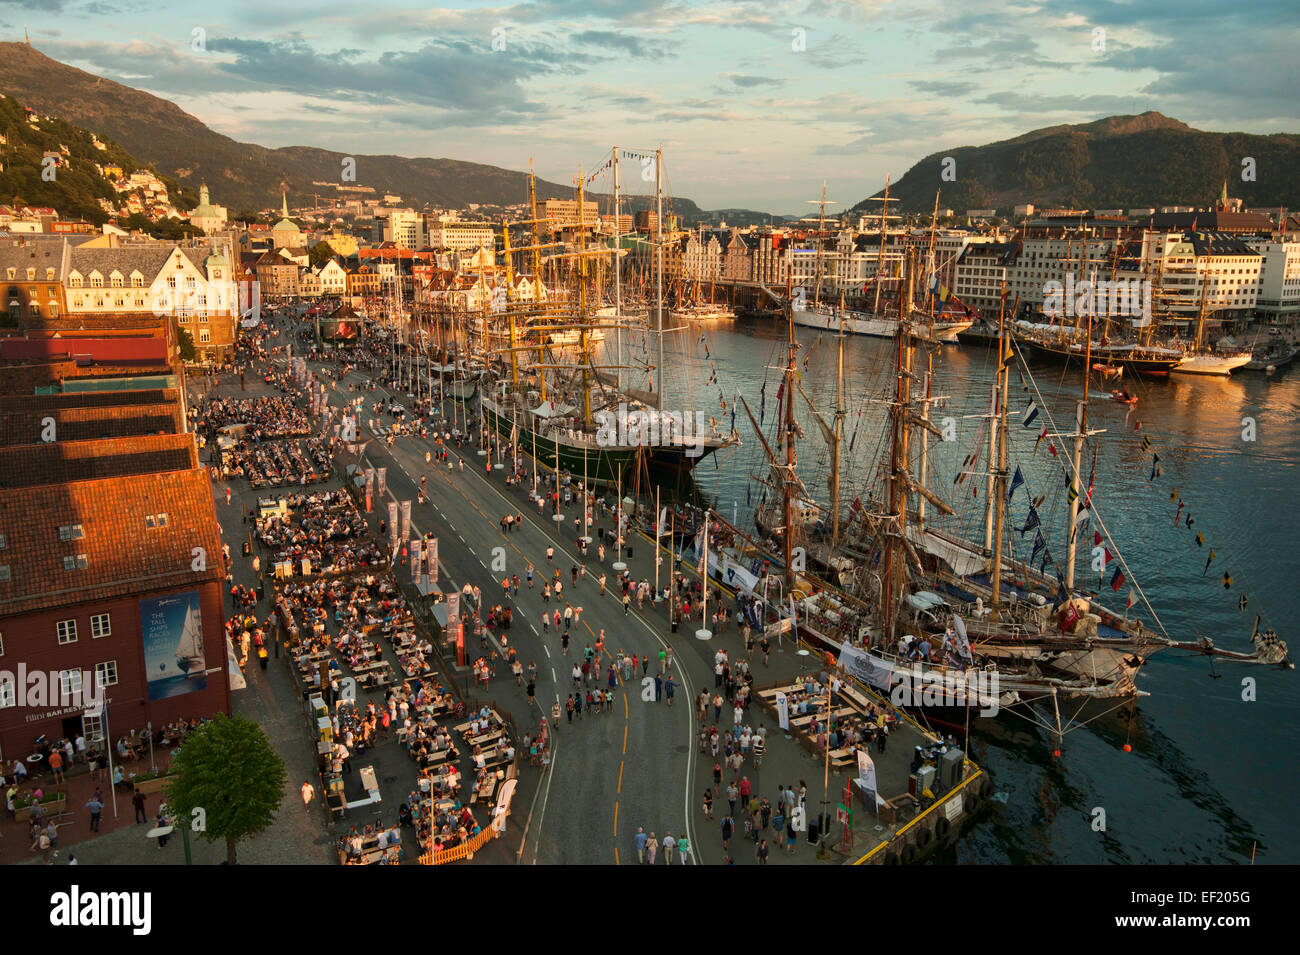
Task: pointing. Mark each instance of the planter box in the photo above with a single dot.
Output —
(155, 785)
(53, 806)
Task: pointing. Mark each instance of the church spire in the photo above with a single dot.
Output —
(284, 196)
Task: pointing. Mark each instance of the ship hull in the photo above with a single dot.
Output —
(1153, 366)
(874, 326)
(1216, 365)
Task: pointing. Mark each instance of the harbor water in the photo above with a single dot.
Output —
(1208, 778)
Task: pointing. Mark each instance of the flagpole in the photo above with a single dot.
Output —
(704, 633)
(659, 529)
(108, 745)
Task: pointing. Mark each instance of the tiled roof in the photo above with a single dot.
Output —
(88, 399)
(88, 424)
(122, 555)
(61, 462)
(147, 258)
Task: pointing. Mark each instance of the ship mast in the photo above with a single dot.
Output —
(880, 258)
(839, 427)
(659, 268)
(1081, 416)
(618, 286)
(510, 316)
(582, 307)
(537, 274)
(891, 588)
(791, 346)
(1000, 492)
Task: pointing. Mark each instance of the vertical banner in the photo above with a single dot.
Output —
(172, 630)
(406, 520)
(392, 524)
(370, 489)
(783, 711)
(453, 602)
(867, 778)
(416, 566)
(432, 558)
(383, 481)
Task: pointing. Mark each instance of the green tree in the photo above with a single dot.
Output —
(227, 769)
(185, 341)
(320, 253)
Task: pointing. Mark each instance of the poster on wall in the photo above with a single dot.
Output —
(172, 631)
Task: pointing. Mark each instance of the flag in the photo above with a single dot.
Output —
(1208, 561)
(1179, 513)
(1051, 449)
(962, 639)
(1047, 559)
(1132, 598)
(1227, 580)
(1040, 440)
(1081, 517)
(1155, 467)
(1096, 538)
(1039, 544)
(1117, 579)
(1009, 357)
(1030, 414)
(1146, 443)
(1030, 522)
(1200, 539)
(1173, 494)
(1017, 480)
(663, 522)
(1188, 522)
(1107, 556)
(1072, 493)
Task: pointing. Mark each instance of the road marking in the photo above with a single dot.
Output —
(553, 679)
(616, 813)
(624, 739)
(544, 646)
(620, 792)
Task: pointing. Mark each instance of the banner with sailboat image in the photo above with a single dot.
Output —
(172, 630)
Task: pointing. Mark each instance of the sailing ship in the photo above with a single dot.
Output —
(571, 413)
(1039, 632)
(189, 649)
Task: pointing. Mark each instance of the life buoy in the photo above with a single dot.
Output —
(923, 838)
(909, 855)
(891, 857)
(942, 828)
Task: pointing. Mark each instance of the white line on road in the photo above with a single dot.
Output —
(544, 646)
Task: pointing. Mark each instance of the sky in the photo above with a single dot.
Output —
(755, 102)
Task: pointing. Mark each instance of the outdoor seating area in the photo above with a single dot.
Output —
(291, 462)
(322, 533)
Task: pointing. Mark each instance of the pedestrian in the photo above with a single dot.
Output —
(96, 808)
(308, 794)
(640, 840)
(728, 827)
(651, 848)
(645, 664)
(568, 706)
(684, 847)
(550, 552)
(162, 822)
(137, 800)
(708, 804)
(668, 689)
(732, 792)
(669, 844)
(627, 604)
(762, 852)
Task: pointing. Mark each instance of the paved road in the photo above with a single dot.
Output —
(611, 772)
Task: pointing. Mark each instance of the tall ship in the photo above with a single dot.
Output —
(895, 575)
(573, 412)
(189, 649)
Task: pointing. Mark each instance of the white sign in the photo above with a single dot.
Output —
(783, 711)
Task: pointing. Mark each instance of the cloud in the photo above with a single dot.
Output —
(949, 89)
(746, 82)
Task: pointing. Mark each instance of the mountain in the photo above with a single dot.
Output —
(247, 176)
(45, 161)
(1113, 163)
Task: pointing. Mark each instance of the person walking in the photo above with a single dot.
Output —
(640, 840)
(308, 794)
(684, 847)
(761, 852)
(668, 689)
(137, 800)
(96, 808)
(669, 845)
(728, 827)
(651, 848)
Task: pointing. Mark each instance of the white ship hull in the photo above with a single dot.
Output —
(875, 326)
(574, 337)
(1210, 364)
(703, 314)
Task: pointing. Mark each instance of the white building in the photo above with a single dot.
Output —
(333, 278)
(405, 229)
(453, 233)
(1279, 281)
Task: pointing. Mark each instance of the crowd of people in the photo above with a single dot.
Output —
(323, 529)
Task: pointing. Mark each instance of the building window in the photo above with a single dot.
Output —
(67, 631)
(205, 336)
(75, 562)
(4, 573)
(92, 727)
(69, 683)
(100, 626)
(71, 532)
(106, 673)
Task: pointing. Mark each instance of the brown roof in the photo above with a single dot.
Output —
(61, 462)
(89, 399)
(123, 557)
(86, 424)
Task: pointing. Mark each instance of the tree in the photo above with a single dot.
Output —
(320, 253)
(185, 342)
(228, 770)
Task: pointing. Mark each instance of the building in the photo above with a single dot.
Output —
(453, 233)
(1191, 271)
(333, 279)
(285, 234)
(977, 280)
(564, 213)
(206, 216)
(277, 275)
(110, 568)
(1278, 300)
(405, 229)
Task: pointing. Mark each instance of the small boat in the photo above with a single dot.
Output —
(1123, 397)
